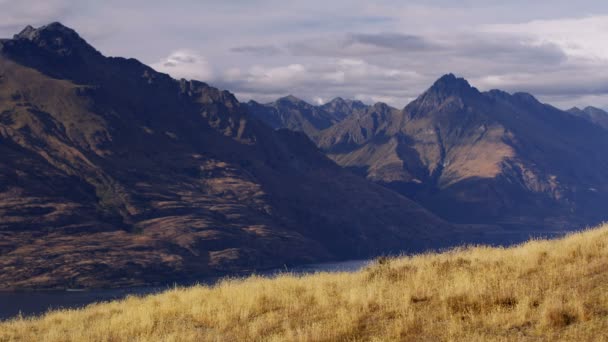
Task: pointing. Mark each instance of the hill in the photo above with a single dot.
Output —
(538, 291)
(112, 174)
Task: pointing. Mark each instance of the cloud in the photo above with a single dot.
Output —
(389, 50)
(578, 37)
(395, 67)
(487, 47)
(258, 50)
(392, 41)
(186, 64)
(346, 77)
(360, 44)
(15, 15)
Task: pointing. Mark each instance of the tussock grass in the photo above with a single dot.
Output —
(538, 291)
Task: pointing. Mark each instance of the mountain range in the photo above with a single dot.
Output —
(479, 157)
(592, 114)
(295, 114)
(113, 174)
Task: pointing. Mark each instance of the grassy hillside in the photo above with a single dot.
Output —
(541, 290)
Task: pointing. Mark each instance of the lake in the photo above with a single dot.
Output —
(39, 302)
(36, 303)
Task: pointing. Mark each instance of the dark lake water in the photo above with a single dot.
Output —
(36, 303)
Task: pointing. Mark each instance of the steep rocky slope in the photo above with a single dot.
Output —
(113, 174)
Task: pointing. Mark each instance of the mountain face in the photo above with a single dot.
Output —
(297, 115)
(592, 114)
(340, 108)
(479, 157)
(112, 174)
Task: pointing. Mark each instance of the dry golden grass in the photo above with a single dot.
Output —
(542, 290)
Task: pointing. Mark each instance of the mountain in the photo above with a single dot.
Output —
(340, 108)
(592, 114)
(474, 157)
(297, 115)
(113, 174)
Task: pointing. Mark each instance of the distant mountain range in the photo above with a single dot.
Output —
(112, 174)
(479, 157)
(592, 114)
(294, 114)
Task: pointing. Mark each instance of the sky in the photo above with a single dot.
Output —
(381, 51)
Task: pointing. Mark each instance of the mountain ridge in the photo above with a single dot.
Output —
(592, 114)
(116, 175)
(465, 153)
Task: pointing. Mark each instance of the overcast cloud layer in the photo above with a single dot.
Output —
(390, 51)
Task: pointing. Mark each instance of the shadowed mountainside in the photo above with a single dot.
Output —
(112, 174)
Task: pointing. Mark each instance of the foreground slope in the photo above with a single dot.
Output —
(538, 291)
(474, 157)
(112, 174)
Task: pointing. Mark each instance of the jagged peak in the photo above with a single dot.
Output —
(55, 37)
(445, 87)
(381, 105)
(451, 83)
(594, 109)
(527, 97)
(518, 96)
(55, 28)
(291, 99)
(340, 101)
(337, 99)
(26, 33)
(587, 110)
(497, 92)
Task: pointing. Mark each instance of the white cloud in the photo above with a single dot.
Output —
(15, 15)
(185, 64)
(389, 50)
(319, 80)
(578, 37)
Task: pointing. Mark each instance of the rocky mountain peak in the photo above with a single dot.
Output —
(447, 88)
(594, 110)
(291, 99)
(526, 97)
(341, 107)
(337, 100)
(55, 28)
(56, 38)
(451, 85)
(592, 114)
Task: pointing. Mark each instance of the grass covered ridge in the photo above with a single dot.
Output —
(541, 290)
